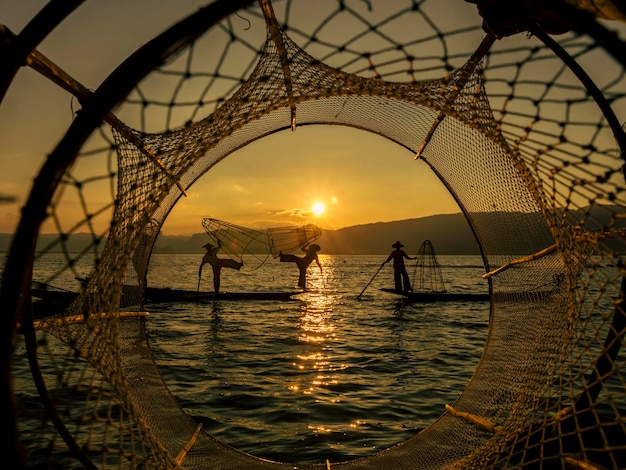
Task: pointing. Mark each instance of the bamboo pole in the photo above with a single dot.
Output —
(183, 453)
(75, 319)
(50, 70)
(524, 259)
(469, 67)
(277, 38)
(589, 235)
(482, 422)
(577, 464)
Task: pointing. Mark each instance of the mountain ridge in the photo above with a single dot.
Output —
(450, 234)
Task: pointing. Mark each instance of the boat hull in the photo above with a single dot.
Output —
(439, 296)
(178, 295)
(49, 302)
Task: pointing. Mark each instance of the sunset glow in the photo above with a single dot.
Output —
(318, 208)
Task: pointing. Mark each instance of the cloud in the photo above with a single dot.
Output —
(295, 212)
(240, 188)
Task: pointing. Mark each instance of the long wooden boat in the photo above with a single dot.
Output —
(158, 295)
(439, 296)
(50, 301)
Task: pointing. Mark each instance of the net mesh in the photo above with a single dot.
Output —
(254, 247)
(427, 276)
(519, 129)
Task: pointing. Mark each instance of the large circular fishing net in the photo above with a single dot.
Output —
(517, 108)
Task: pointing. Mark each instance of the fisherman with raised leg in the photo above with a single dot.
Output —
(217, 264)
(303, 262)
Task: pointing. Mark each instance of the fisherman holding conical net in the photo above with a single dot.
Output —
(217, 264)
(303, 262)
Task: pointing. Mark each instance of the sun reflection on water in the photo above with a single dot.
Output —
(317, 334)
(319, 372)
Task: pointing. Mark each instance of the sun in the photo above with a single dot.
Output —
(318, 208)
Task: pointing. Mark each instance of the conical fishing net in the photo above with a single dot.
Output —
(256, 246)
(516, 106)
(427, 276)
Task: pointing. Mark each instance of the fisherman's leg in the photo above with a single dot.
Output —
(216, 278)
(397, 279)
(407, 281)
(302, 278)
(288, 258)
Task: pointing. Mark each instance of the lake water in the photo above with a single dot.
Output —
(330, 375)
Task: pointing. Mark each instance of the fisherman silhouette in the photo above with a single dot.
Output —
(303, 262)
(217, 264)
(400, 275)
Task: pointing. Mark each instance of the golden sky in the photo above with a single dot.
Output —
(359, 177)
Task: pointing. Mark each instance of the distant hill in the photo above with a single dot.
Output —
(449, 233)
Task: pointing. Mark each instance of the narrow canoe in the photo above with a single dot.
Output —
(439, 296)
(179, 295)
(50, 301)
